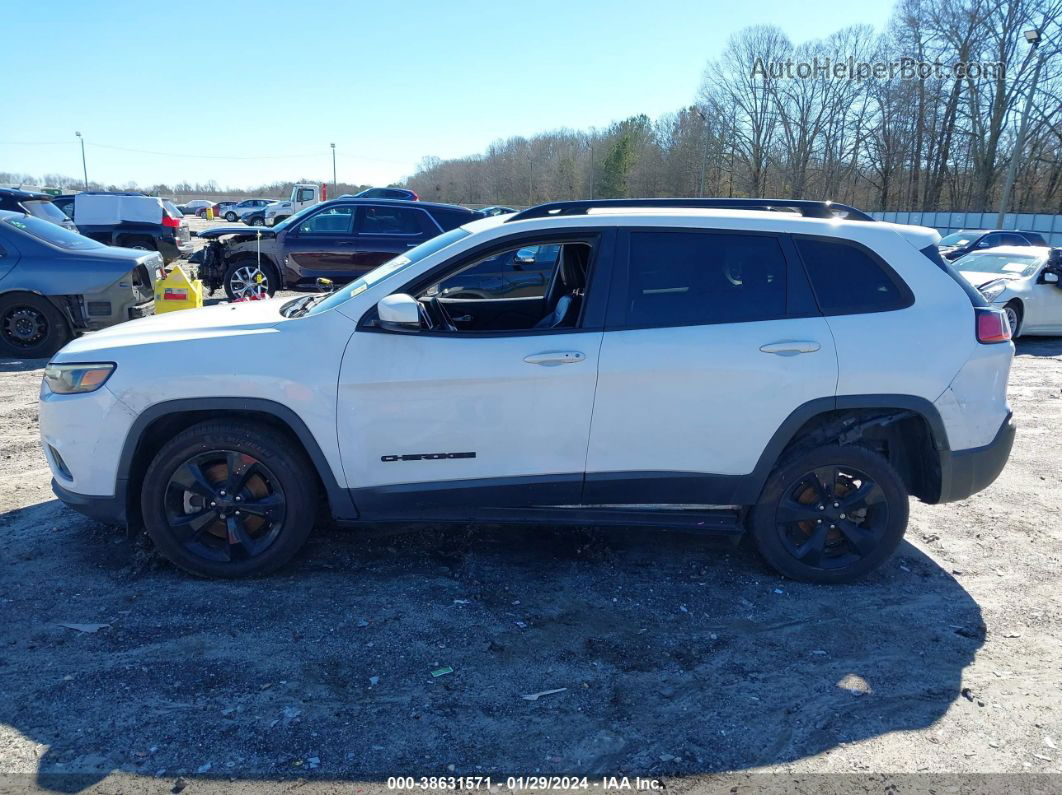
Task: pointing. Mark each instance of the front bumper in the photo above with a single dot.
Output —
(966, 472)
(108, 510)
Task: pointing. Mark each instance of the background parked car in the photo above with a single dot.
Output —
(237, 210)
(339, 239)
(964, 241)
(255, 216)
(36, 204)
(131, 220)
(1026, 282)
(510, 274)
(387, 193)
(220, 209)
(55, 283)
(496, 209)
(194, 206)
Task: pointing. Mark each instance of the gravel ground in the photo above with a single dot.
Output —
(679, 657)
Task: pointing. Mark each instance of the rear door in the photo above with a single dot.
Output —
(384, 231)
(712, 340)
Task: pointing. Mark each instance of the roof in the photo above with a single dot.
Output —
(24, 195)
(348, 198)
(1012, 251)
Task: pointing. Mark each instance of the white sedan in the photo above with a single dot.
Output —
(1025, 281)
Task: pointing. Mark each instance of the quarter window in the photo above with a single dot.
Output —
(692, 278)
(847, 281)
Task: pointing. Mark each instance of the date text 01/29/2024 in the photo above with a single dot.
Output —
(517, 783)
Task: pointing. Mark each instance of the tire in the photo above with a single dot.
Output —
(31, 327)
(235, 467)
(257, 221)
(139, 243)
(230, 217)
(845, 538)
(241, 271)
(1015, 315)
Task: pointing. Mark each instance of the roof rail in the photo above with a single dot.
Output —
(806, 208)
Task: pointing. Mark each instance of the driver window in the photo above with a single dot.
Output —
(529, 286)
(334, 221)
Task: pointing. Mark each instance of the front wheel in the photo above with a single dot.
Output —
(31, 327)
(258, 221)
(230, 217)
(1014, 315)
(229, 499)
(245, 279)
(830, 515)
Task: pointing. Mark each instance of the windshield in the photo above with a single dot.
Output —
(1004, 264)
(401, 262)
(53, 234)
(962, 238)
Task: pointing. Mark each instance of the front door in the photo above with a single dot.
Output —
(323, 244)
(454, 424)
(704, 357)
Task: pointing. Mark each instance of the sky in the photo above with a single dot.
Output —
(250, 93)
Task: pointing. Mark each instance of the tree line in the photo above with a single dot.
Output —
(936, 137)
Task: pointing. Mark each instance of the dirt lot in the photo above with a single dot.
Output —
(680, 657)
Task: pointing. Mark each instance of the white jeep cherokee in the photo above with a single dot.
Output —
(710, 365)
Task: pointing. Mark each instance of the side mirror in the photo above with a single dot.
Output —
(399, 312)
(526, 256)
(1050, 277)
(983, 244)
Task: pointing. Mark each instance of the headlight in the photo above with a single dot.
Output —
(68, 379)
(992, 290)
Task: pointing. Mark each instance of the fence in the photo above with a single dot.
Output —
(1050, 226)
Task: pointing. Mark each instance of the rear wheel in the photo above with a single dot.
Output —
(244, 278)
(31, 327)
(830, 515)
(230, 217)
(258, 221)
(229, 499)
(1014, 317)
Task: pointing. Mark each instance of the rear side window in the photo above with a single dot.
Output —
(391, 221)
(45, 210)
(847, 280)
(692, 278)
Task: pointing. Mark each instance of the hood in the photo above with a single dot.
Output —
(223, 320)
(221, 231)
(977, 278)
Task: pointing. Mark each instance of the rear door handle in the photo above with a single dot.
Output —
(790, 347)
(553, 358)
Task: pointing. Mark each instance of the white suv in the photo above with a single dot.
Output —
(710, 365)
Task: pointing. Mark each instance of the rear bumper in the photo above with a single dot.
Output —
(966, 472)
(108, 510)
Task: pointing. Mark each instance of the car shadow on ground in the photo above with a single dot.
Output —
(1038, 346)
(404, 651)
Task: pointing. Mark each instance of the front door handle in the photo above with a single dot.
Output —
(790, 347)
(553, 358)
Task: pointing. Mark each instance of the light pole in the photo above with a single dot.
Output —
(590, 143)
(704, 158)
(84, 168)
(334, 184)
(1034, 38)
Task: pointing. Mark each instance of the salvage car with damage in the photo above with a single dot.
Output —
(340, 240)
(56, 284)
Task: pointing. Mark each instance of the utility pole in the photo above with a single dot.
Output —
(334, 184)
(530, 178)
(1034, 38)
(84, 168)
(590, 143)
(704, 159)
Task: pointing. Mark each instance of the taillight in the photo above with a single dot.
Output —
(992, 325)
(175, 223)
